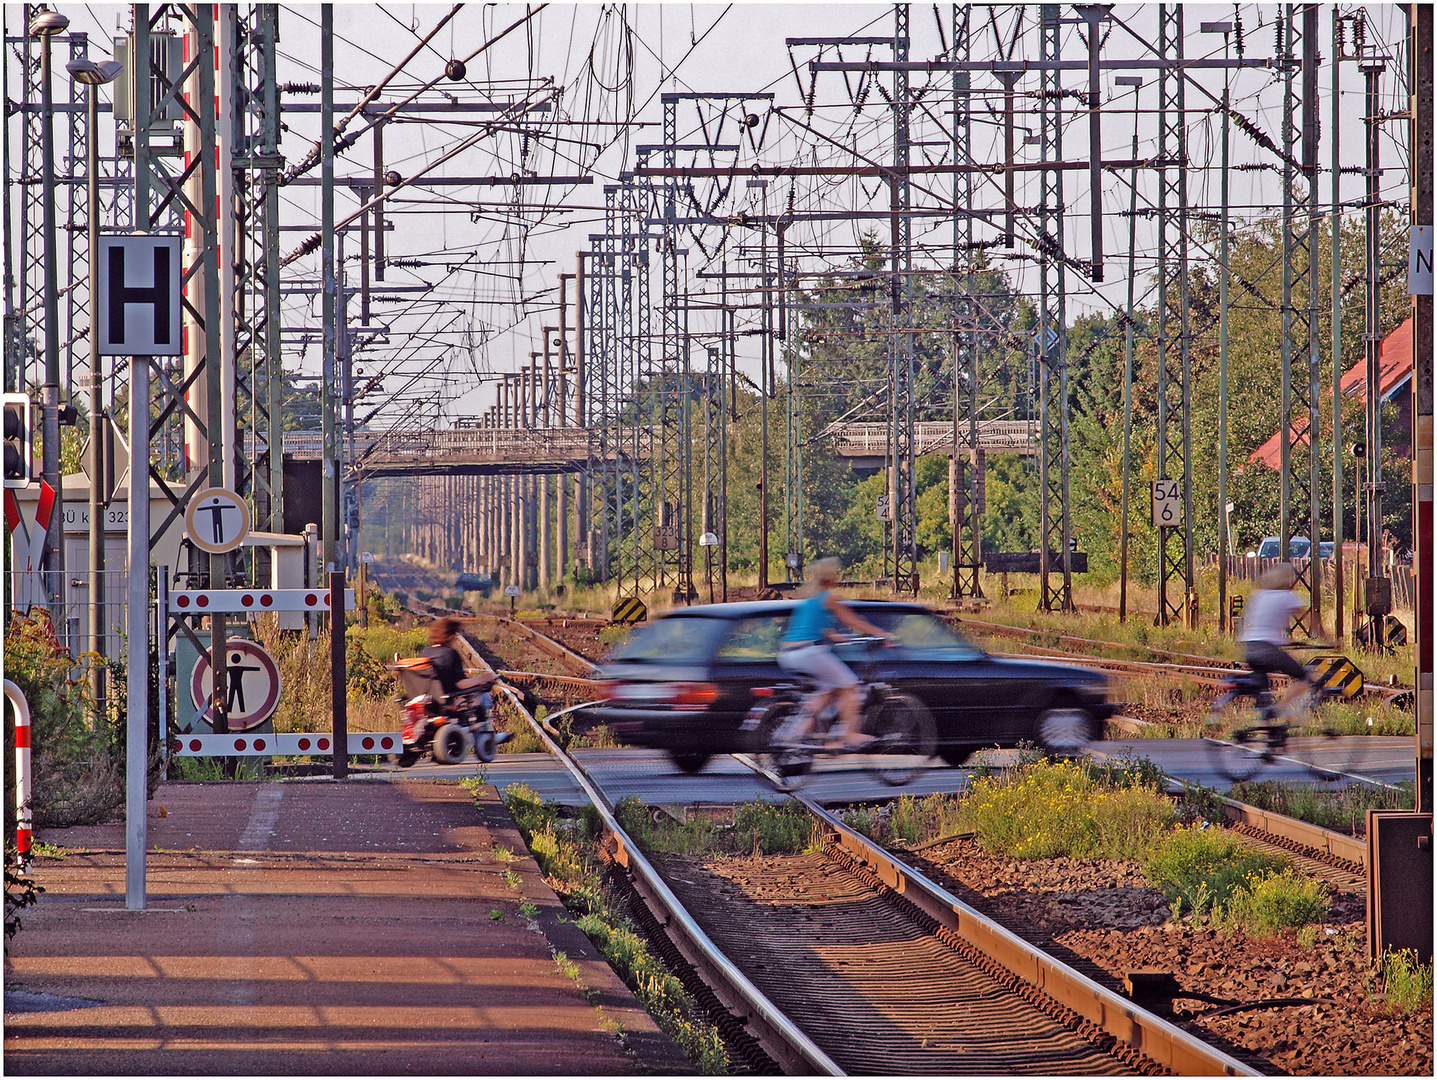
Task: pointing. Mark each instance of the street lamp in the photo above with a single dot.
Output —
(45, 25)
(94, 75)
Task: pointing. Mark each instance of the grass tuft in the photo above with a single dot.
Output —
(1199, 869)
(563, 849)
(1406, 982)
(1047, 809)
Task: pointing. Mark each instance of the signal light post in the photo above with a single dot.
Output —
(18, 440)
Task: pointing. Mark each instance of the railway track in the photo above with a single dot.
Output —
(846, 960)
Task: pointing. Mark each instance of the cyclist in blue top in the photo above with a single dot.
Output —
(805, 649)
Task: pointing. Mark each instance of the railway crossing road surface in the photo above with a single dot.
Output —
(655, 780)
(313, 928)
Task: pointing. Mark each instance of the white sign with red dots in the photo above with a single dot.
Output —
(204, 601)
(287, 743)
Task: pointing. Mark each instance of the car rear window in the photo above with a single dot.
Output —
(676, 639)
(753, 641)
(920, 636)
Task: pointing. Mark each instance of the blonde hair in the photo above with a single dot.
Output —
(825, 571)
(1281, 576)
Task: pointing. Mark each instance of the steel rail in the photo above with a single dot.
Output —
(1149, 1034)
(779, 1037)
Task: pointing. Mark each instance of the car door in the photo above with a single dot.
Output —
(746, 657)
(930, 660)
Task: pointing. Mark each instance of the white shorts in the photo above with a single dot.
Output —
(819, 664)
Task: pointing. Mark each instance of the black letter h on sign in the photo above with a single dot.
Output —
(156, 295)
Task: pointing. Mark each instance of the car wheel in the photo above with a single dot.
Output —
(1064, 730)
(689, 762)
(406, 759)
(955, 755)
(449, 744)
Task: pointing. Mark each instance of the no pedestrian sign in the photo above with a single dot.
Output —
(252, 684)
(217, 520)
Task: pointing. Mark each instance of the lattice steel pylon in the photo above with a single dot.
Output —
(618, 352)
(253, 35)
(1175, 541)
(903, 490)
(194, 90)
(967, 525)
(1300, 243)
(1052, 335)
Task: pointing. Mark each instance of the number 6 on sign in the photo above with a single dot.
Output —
(1167, 503)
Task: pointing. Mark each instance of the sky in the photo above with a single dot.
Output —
(494, 277)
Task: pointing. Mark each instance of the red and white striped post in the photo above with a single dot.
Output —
(22, 772)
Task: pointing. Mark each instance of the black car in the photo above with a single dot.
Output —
(684, 683)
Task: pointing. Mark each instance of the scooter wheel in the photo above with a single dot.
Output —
(484, 746)
(449, 744)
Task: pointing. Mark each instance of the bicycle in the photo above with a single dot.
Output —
(902, 728)
(1263, 732)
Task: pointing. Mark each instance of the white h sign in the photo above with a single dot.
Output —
(138, 309)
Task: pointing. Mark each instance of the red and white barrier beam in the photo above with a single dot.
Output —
(287, 744)
(229, 601)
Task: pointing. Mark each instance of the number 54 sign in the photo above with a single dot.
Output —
(1167, 503)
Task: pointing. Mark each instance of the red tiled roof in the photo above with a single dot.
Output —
(1394, 368)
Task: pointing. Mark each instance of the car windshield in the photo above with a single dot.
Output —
(674, 640)
(919, 635)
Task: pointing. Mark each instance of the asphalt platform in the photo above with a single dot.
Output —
(367, 927)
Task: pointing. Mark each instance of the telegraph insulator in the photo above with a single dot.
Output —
(751, 120)
(393, 179)
(456, 70)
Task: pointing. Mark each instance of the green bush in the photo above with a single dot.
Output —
(1046, 809)
(1199, 869)
(77, 766)
(1268, 904)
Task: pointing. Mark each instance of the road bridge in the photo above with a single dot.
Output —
(493, 451)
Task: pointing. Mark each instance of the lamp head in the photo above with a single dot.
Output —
(92, 73)
(48, 22)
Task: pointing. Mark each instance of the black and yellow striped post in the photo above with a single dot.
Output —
(1338, 674)
(630, 610)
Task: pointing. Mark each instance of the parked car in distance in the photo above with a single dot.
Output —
(684, 683)
(1271, 548)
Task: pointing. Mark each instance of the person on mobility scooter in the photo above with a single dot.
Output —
(445, 711)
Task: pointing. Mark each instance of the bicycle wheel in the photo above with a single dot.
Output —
(793, 768)
(1242, 752)
(1330, 753)
(906, 738)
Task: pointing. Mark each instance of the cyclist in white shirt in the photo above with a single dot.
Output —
(1265, 623)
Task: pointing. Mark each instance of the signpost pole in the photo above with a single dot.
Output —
(137, 626)
(337, 680)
